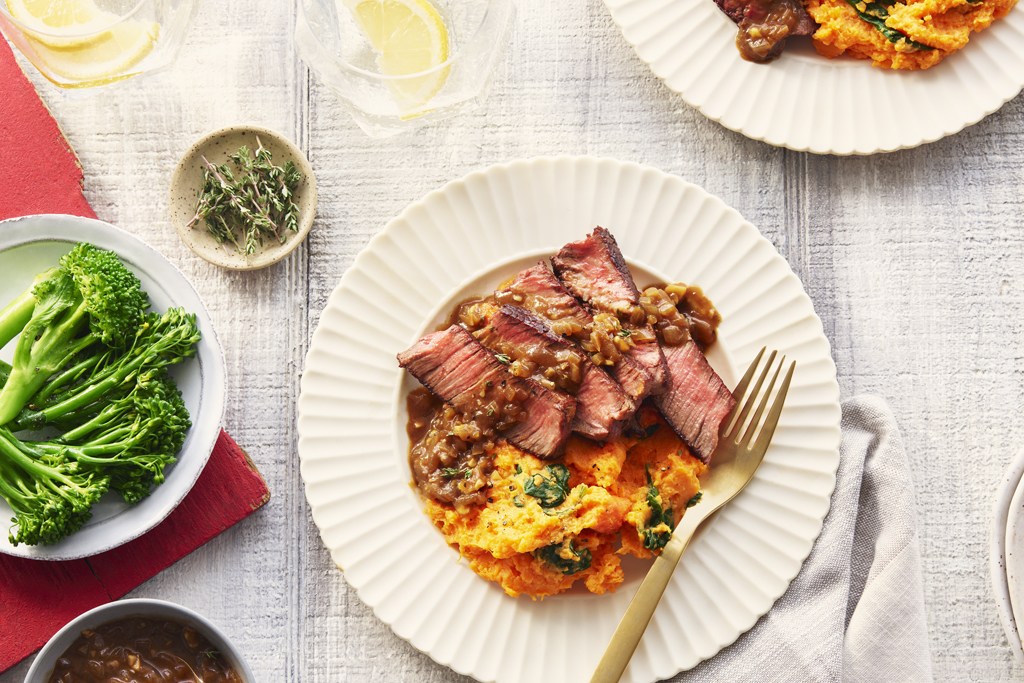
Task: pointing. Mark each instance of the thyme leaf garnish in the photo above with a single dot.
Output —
(452, 473)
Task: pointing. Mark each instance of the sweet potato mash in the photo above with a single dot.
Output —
(915, 34)
(547, 524)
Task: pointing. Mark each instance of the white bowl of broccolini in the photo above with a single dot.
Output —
(109, 408)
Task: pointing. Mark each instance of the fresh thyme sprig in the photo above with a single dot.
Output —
(256, 205)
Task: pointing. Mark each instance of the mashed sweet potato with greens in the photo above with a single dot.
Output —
(916, 34)
(547, 524)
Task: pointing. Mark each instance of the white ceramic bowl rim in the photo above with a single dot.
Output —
(121, 609)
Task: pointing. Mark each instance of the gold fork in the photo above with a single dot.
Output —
(732, 467)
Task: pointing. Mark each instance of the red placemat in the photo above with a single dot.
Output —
(39, 173)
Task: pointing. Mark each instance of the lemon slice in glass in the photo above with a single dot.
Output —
(73, 18)
(409, 37)
(69, 39)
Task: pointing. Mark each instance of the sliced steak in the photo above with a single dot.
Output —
(697, 399)
(651, 358)
(461, 372)
(594, 271)
(635, 380)
(601, 404)
(538, 290)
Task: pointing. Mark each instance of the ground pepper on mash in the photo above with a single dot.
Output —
(548, 524)
(904, 35)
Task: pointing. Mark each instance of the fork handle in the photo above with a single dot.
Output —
(634, 622)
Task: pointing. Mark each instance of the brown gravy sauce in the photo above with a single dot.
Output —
(450, 453)
(759, 38)
(142, 650)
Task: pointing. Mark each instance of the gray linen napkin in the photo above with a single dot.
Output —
(855, 612)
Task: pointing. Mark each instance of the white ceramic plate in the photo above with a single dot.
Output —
(1007, 537)
(1015, 552)
(465, 238)
(806, 102)
(32, 244)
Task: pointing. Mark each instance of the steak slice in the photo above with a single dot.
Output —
(464, 374)
(594, 271)
(538, 290)
(635, 380)
(696, 401)
(651, 357)
(601, 404)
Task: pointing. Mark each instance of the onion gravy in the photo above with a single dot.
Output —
(142, 650)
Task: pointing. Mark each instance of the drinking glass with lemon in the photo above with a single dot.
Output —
(398, 64)
(88, 43)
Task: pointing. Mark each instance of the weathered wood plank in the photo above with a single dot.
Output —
(914, 260)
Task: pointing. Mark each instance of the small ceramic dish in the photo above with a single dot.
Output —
(187, 180)
(1002, 513)
(44, 662)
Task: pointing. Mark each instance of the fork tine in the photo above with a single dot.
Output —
(749, 434)
(741, 415)
(772, 420)
(727, 425)
(737, 393)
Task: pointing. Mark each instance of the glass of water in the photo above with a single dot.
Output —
(400, 64)
(89, 43)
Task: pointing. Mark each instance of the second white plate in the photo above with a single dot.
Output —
(467, 236)
(807, 102)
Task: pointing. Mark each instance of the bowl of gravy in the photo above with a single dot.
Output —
(139, 641)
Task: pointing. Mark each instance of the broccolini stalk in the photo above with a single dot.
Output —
(161, 340)
(16, 314)
(132, 439)
(67, 376)
(51, 499)
(92, 287)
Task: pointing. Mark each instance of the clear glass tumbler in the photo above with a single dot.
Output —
(400, 64)
(90, 43)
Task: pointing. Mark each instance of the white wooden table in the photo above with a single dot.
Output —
(914, 261)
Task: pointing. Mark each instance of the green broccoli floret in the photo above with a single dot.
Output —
(111, 293)
(91, 288)
(131, 439)
(50, 497)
